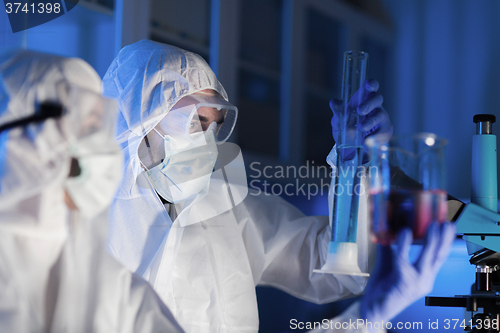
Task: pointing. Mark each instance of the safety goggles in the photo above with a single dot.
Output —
(194, 113)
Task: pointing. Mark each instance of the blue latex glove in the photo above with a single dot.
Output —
(396, 283)
(368, 104)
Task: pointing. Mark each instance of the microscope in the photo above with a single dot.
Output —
(479, 224)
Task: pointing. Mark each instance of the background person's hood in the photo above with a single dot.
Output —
(36, 156)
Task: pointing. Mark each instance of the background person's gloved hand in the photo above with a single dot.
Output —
(368, 104)
(396, 282)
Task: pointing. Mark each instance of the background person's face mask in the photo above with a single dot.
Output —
(98, 156)
(93, 190)
(187, 167)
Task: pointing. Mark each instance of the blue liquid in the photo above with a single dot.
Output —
(347, 188)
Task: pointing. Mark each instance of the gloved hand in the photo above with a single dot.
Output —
(368, 104)
(396, 283)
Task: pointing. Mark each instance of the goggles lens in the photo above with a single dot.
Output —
(195, 113)
(225, 129)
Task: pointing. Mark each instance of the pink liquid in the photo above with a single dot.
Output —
(414, 209)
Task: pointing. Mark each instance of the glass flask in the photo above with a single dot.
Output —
(407, 185)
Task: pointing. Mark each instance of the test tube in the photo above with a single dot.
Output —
(349, 150)
(355, 65)
(342, 250)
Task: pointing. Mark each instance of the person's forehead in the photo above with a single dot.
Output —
(208, 92)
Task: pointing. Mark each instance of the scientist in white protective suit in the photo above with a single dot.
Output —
(60, 168)
(192, 233)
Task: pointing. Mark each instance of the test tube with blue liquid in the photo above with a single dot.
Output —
(342, 250)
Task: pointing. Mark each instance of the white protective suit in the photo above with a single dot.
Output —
(55, 272)
(206, 269)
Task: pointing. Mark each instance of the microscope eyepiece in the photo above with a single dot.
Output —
(484, 123)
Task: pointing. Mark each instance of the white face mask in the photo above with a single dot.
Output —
(93, 190)
(90, 134)
(187, 166)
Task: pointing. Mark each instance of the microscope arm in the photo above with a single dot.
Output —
(479, 226)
